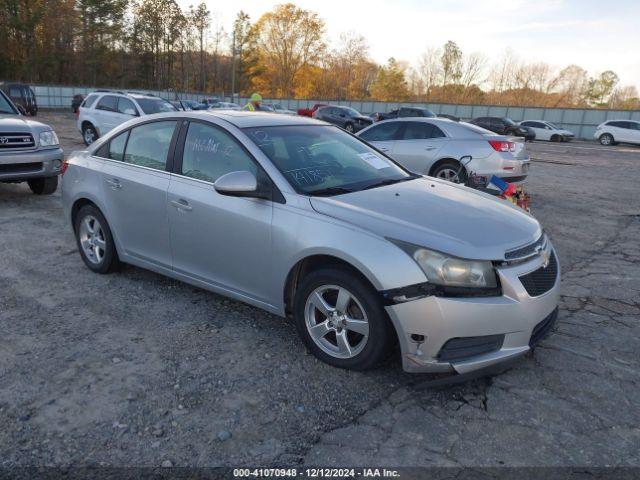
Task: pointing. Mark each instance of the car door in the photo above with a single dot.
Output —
(383, 135)
(221, 240)
(625, 132)
(135, 184)
(419, 146)
(106, 113)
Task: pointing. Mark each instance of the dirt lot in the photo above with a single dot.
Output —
(135, 369)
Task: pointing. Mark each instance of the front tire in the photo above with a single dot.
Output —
(448, 170)
(556, 138)
(341, 319)
(43, 186)
(94, 240)
(606, 139)
(89, 134)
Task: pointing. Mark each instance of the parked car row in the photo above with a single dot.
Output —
(302, 219)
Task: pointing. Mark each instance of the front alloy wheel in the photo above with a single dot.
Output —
(606, 139)
(336, 321)
(89, 134)
(341, 319)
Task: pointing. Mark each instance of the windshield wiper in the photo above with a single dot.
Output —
(390, 181)
(330, 191)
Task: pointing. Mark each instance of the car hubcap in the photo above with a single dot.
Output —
(92, 239)
(336, 321)
(449, 174)
(88, 136)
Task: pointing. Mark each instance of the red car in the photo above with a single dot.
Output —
(308, 112)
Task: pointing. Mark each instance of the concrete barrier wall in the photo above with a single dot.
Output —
(582, 122)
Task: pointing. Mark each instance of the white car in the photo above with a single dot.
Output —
(548, 131)
(434, 146)
(618, 131)
(104, 110)
(280, 109)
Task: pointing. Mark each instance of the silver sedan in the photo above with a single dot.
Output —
(434, 146)
(302, 219)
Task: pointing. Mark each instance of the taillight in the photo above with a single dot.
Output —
(501, 146)
(63, 167)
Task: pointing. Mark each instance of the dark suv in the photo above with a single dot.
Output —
(504, 126)
(404, 112)
(346, 117)
(22, 96)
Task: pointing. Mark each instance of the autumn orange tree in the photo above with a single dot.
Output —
(287, 40)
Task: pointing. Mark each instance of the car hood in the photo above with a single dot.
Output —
(438, 215)
(362, 118)
(19, 123)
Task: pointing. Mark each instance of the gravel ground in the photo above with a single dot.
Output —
(134, 369)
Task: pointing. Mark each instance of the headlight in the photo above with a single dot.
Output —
(449, 271)
(48, 139)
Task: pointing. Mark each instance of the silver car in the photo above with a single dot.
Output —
(434, 146)
(302, 219)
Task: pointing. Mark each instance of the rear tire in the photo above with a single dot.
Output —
(352, 329)
(43, 186)
(448, 170)
(94, 240)
(606, 139)
(89, 134)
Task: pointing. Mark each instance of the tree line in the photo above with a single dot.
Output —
(156, 44)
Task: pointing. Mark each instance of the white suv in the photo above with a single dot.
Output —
(616, 131)
(106, 109)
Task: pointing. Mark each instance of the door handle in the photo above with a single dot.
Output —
(115, 183)
(181, 205)
(383, 149)
(429, 147)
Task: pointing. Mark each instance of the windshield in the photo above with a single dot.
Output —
(155, 105)
(5, 105)
(325, 160)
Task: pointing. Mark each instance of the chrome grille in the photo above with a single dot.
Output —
(527, 251)
(16, 141)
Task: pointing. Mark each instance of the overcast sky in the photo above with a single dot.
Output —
(597, 35)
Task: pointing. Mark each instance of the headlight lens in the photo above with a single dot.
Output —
(445, 270)
(48, 139)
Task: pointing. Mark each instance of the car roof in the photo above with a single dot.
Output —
(247, 119)
(435, 120)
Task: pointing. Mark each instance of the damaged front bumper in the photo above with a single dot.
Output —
(459, 335)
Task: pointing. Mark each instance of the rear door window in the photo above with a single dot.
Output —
(148, 144)
(421, 131)
(108, 103)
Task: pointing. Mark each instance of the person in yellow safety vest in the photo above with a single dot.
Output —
(254, 103)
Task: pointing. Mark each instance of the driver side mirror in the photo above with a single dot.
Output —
(240, 184)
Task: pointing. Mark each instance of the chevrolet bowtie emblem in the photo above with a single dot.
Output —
(545, 258)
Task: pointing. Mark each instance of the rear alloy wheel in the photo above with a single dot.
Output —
(606, 139)
(89, 134)
(95, 241)
(43, 186)
(449, 171)
(341, 319)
